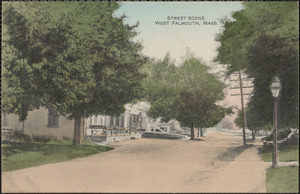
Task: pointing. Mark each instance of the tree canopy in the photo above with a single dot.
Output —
(269, 56)
(263, 40)
(187, 93)
(73, 56)
(234, 40)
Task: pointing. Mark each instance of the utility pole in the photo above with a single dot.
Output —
(242, 103)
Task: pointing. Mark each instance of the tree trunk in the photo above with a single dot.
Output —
(253, 136)
(23, 127)
(243, 109)
(130, 124)
(77, 131)
(141, 124)
(192, 132)
(201, 132)
(198, 132)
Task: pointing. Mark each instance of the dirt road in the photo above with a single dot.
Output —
(214, 164)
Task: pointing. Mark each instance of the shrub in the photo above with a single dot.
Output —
(21, 138)
(42, 139)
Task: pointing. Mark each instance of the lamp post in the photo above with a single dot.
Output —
(275, 88)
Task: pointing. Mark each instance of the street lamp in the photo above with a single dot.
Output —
(275, 88)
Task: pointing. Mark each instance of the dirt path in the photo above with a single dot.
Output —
(151, 165)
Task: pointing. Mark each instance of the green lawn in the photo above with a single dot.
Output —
(286, 154)
(283, 180)
(23, 155)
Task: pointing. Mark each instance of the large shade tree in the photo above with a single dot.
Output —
(270, 56)
(187, 93)
(268, 44)
(75, 57)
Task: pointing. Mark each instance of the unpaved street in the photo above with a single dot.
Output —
(214, 164)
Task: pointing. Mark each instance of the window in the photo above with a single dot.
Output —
(53, 118)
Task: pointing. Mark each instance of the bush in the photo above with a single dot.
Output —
(42, 139)
(21, 138)
(283, 133)
(287, 152)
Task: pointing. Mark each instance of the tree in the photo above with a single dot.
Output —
(187, 93)
(275, 18)
(233, 51)
(75, 57)
(269, 56)
(269, 31)
(234, 40)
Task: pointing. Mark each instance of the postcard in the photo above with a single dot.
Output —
(150, 97)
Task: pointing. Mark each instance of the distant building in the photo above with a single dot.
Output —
(134, 118)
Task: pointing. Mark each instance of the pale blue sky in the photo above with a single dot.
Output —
(158, 39)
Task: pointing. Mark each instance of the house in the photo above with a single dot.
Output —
(42, 122)
(46, 122)
(131, 120)
(134, 119)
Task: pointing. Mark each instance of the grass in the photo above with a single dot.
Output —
(286, 154)
(283, 180)
(18, 155)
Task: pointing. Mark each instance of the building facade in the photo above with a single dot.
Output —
(45, 122)
(42, 122)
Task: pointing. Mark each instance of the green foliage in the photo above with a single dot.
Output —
(275, 18)
(269, 55)
(23, 155)
(263, 39)
(286, 153)
(19, 137)
(187, 93)
(234, 40)
(239, 120)
(283, 180)
(23, 138)
(161, 88)
(255, 120)
(75, 57)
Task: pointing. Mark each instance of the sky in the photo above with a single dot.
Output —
(199, 36)
(200, 25)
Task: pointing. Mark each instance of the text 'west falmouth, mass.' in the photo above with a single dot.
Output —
(185, 21)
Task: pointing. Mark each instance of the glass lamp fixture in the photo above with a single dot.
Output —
(276, 87)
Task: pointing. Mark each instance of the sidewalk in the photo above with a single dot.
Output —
(282, 164)
(247, 173)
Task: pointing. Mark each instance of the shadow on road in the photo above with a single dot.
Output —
(196, 139)
(231, 153)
